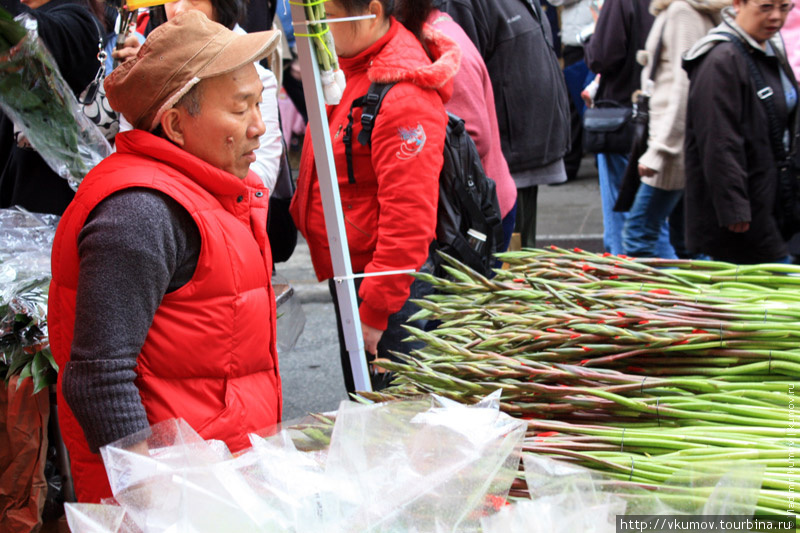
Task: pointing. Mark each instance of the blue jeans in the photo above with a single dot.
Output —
(611, 168)
(648, 228)
(508, 226)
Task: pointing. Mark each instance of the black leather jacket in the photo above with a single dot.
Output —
(515, 40)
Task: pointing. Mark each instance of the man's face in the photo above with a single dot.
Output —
(175, 8)
(226, 130)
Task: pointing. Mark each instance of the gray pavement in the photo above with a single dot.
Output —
(569, 215)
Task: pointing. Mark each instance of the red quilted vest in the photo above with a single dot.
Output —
(210, 355)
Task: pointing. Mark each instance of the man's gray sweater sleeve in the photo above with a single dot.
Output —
(135, 246)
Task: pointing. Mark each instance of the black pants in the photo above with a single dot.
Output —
(525, 224)
(392, 339)
(572, 159)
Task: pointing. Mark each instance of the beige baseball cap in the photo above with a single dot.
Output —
(174, 58)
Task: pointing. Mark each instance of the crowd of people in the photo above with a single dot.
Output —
(161, 303)
(709, 179)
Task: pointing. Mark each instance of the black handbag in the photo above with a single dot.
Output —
(281, 229)
(608, 126)
(608, 129)
(641, 124)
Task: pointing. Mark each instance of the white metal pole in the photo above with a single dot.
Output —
(332, 206)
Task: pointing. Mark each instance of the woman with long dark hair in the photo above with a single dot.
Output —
(71, 30)
(390, 202)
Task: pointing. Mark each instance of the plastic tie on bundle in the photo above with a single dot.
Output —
(318, 35)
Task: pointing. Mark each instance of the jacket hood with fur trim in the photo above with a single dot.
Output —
(711, 7)
(398, 63)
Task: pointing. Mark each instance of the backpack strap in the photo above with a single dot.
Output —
(766, 95)
(370, 104)
(476, 212)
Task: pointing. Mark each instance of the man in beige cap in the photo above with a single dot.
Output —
(161, 304)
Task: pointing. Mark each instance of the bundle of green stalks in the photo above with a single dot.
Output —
(643, 369)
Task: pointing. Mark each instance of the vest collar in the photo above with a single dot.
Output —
(217, 182)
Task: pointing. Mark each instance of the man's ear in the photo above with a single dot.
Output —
(173, 124)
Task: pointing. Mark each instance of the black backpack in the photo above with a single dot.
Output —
(468, 224)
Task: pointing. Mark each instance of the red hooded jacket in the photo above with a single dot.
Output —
(390, 211)
(209, 356)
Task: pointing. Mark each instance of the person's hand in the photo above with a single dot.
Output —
(588, 93)
(371, 338)
(128, 51)
(739, 227)
(587, 98)
(22, 141)
(140, 447)
(646, 172)
(294, 70)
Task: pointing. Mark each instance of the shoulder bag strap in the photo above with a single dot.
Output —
(765, 94)
(90, 93)
(657, 54)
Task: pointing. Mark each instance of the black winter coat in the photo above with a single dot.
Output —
(731, 174)
(70, 33)
(611, 50)
(515, 40)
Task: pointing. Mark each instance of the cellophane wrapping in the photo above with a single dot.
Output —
(427, 465)
(35, 96)
(25, 243)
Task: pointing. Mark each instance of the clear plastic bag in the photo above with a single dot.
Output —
(25, 244)
(34, 95)
(291, 319)
(96, 518)
(183, 483)
(427, 465)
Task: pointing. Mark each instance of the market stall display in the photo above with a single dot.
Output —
(639, 369)
(426, 464)
(35, 96)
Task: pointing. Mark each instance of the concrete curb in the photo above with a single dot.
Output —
(312, 293)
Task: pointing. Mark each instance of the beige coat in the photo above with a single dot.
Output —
(683, 23)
